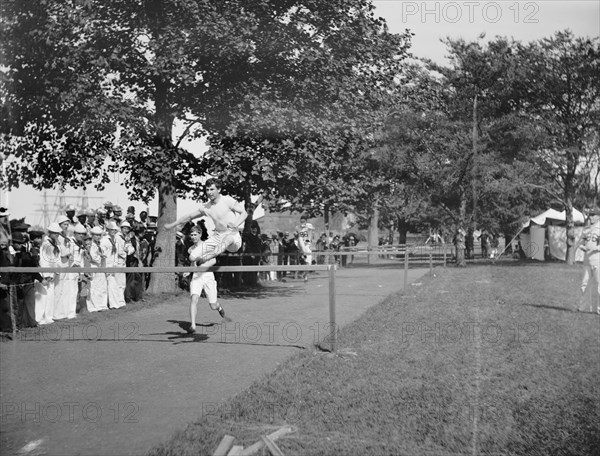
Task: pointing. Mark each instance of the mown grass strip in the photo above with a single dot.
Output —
(488, 359)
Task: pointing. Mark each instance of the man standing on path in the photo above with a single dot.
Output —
(227, 214)
(590, 244)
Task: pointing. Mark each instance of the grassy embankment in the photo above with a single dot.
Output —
(482, 360)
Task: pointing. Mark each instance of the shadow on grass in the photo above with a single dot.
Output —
(185, 337)
(186, 325)
(261, 291)
(398, 265)
(544, 306)
(513, 263)
(199, 336)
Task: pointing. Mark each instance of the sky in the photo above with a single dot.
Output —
(430, 21)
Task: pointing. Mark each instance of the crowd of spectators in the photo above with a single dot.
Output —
(105, 237)
(79, 238)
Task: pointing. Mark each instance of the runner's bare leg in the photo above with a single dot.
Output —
(193, 312)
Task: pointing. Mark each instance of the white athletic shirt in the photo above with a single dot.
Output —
(304, 236)
(221, 212)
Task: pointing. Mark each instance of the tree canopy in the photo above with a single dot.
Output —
(308, 102)
(93, 87)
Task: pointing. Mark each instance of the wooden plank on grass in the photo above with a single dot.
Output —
(256, 447)
(224, 446)
(272, 446)
(236, 450)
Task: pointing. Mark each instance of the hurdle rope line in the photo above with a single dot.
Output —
(331, 268)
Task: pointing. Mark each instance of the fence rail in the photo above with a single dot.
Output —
(331, 268)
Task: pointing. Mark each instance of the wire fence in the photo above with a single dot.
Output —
(418, 253)
(410, 254)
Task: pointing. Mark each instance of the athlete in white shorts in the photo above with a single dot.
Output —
(201, 280)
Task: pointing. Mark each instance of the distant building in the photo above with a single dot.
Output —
(273, 222)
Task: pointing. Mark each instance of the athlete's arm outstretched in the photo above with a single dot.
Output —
(186, 218)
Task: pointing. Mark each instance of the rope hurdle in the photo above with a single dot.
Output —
(331, 268)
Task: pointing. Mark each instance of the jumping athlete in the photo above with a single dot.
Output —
(226, 213)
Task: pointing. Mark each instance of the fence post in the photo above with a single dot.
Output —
(332, 324)
(444, 247)
(405, 266)
(430, 263)
(12, 298)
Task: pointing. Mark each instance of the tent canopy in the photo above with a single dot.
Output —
(551, 215)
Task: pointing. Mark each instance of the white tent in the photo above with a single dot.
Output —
(552, 216)
(548, 229)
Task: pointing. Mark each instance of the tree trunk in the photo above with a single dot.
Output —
(165, 241)
(569, 192)
(373, 233)
(249, 206)
(463, 208)
(167, 198)
(474, 166)
(570, 225)
(402, 231)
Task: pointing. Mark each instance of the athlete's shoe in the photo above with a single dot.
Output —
(221, 312)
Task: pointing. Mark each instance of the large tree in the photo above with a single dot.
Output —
(92, 86)
(305, 143)
(561, 90)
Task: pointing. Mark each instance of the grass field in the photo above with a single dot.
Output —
(485, 360)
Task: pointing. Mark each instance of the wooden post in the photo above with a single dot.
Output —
(224, 446)
(405, 266)
(444, 247)
(272, 446)
(256, 447)
(12, 298)
(430, 263)
(332, 324)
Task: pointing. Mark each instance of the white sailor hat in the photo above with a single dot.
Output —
(97, 230)
(54, 228)
(62, 219)
(80, 229)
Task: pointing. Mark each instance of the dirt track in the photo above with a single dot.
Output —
(121, 386)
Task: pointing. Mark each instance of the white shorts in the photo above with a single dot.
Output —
(217, 238)
(204, 281)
